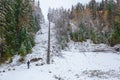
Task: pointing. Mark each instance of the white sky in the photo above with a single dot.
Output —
(45, 4)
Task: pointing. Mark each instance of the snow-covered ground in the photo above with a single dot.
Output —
(89, 46)
(72, 66)
(79, 61)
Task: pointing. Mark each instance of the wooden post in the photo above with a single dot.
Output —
(48, 51)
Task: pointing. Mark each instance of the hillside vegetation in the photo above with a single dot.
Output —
(98, 21)
(19, 21)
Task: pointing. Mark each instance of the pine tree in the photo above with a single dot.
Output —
(93, 8)
(115, 37)
(17, 23)
(111, 10)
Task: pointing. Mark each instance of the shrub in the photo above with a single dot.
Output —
(22, 50)
(35, 59)
(21, 60)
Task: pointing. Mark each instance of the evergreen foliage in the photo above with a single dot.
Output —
(115, 37)
(100, 22)
(17, 26)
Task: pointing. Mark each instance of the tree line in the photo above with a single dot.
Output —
(18, 25)
(98, 21)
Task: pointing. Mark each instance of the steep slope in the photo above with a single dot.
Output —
(41, 40)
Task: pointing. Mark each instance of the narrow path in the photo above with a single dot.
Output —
(41, 40)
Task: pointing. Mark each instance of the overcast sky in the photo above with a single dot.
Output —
(45, 4)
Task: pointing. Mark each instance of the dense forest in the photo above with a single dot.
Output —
(98, 21)
(19, 21)
(72, 42)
